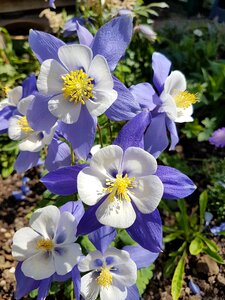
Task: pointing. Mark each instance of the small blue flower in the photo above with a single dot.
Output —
(208, 218)
(194, 288)
(217, 229)
(18, 195)
(218, 138)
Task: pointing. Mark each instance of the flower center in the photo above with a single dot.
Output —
(105, 277)
(78, 87)
(24, 125)
(45, 245)
(185, 99)
(119, 187)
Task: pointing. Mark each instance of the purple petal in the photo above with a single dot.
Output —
(176, 184)
(76, 208)
(81, 134)
(125, 107)
(18, 195)
(112, 39)
(89, 222)
(63, 181)
(132, 293)
(44, 287)
(143, 93)
(44, 45)
(76, 281)
(24, 284)
(26, 160)
(5, 114)
(161, 67)
(171, 126)
(155, 139)
(29, 85)
(58, 155)
(52, 3)
(142, 257)
(194, 288)
(132, 133)
(84, 35)
(37, 108)
(147, 231)
(61, 278)
(102, 237)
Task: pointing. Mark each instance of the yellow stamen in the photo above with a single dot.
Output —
(78, 87)
(6, 90)
(119, 187)
(24, 125)
(185, 99)
(45, 245)
(105, 277)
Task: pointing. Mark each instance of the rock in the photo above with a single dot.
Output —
(212, 279)
(221, 279)
(195, 297)
(207, 266)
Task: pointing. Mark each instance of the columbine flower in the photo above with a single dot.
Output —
(124, 178)
(218, 138)
(48, 246)
(76, 80)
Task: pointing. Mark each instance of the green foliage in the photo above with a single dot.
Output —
(178, 278)
(143, 277)
(8, 153)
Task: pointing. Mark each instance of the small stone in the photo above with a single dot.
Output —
(195, 297)
(208, 266)
(12, 270)
(3, 230)
(2, 283)
(221, 279)
(8, 235)
(211, 279)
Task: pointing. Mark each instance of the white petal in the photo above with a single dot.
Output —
(39, 266)
(184, 115)
(107, 160)
(66, 230)
(148, 193)
(24, 104)
(14, 130)
(64, 110)
(32, 143)
(175, 83)
(90, 184)
(104, 99)
(117, 292)
(66, 257)
(89, 288)
(24, 243)
(168, 106)
(4, 103)
(75, 56)
(88, 263)
(138, 162)
(15, 95)
(99, 70)
(45, 221)
(50, 81)
(117, 213)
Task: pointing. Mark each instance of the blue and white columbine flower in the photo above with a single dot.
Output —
(124, 178)
(47, 246)
(77, 79)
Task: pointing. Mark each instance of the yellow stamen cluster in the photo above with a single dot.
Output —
(24, 125)
(78, 87)
(6, 90)
(45, 245)
(105, 277)
(185, 99)
(119, 187)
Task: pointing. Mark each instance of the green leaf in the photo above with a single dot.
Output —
(178, 278)
(214, 255)
(184, 217)
(211, 245)
(34, 293)
(196, 246)
(87, 244)
(143, 277)
(170, 266)
(125, 238)
(203, 200)
(172, 236)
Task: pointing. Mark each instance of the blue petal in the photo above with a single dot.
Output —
(147, 231)
(76, 208)
(44, 287)
(143, 93)
(143, 258)
(132, 133)
(44, 45)
(81, 134)
(194, 288)
(176, 184)
(58, 155)
(26, 160)
(24, 284)
(76, 282)
(161, 67)
(29, 85)
(125, 107)
(155, 139)
(102, 237)
(5, 114)
(112, 39)
(171, 126)
(84, 35)
(63, 181)
(132, 293)
(37, 108)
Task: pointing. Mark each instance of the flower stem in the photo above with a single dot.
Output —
(100, 135)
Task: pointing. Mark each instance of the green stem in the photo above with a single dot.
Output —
(110, 131)
(100, 135)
